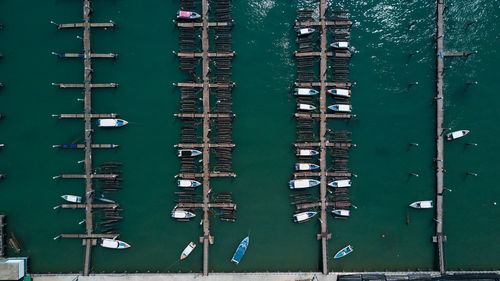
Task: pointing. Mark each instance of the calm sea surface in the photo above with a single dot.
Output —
(390, 115)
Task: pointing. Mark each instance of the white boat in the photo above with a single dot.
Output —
(186, 15)
(188, 183)
(340, 183)
(428, 204)
(457, 134)
(110, 123)
(341, 107)
(305, 92)
(188, 153)
(72, 198)
(305, 167)
(188, 250)
(340, 45)
(114, 244)
(182, 214)
(305, 31)
(340, 213)
(303, 217)
(341, 93)
(303, 183)
(305, 107)
(306, 152)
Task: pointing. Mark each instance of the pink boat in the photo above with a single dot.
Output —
(187, 15)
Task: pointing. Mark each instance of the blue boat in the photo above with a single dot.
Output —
(344, 252)
(240, 251)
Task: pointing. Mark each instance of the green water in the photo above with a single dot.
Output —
(390, 115)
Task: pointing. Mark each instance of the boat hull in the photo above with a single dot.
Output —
(303, 183)
(344, 252)
(114, 244)
(240, 251)
(188, 250)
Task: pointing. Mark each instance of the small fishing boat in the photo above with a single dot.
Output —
(340, 45)
(114, 244)
(341, 107)
(344, 252)
(303, 217)
(305, 92)
(305, 167)
(72, 198)
(188, 153)
(182, 214)
(305, 31)
(340, 183)
(240, 251)
(305, 107)
(186, 15)
(428, 204)
(340, 213)
(188, 183)
(457, 134)
(340, 93)
(306, 152)
(188, 250)
(111, 123)
(303, 183)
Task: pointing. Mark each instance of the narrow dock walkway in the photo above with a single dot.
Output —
(324, 235)
(89, 237)
(440, 238)
(2, 236)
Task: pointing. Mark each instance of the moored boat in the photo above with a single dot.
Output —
(242, 248)
(427, 204)
(72, 198)
(340, 45)
(111, 123)
(188, 250)
(457, 134)
(340, 183)
(182, 214)
(344, 252)
(305, 107)
(305, 167)
(188, 183)
(305, 92)
(303, 217)
(340, 213)
(306, 152)
(341, 93)
(114, 244)
(186, 15)
(305, 31)
(188, 153)
(303, 183)
(341, 107)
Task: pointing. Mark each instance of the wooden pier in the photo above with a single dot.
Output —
(2, 236)
(206, 117)
(89, 237)
(439, 238)
(307, 57)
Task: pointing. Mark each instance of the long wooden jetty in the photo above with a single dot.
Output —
(305, 56)
(439, 238)
(206, 116)
(441, 54)
(2, 235)
(89, 237)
